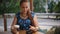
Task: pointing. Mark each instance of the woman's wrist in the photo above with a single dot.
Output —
(36, 28)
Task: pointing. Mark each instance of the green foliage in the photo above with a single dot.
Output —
(9, 6)
(51, 6)
(57, 8)
(39, 6)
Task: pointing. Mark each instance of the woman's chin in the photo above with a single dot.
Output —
(24, 12)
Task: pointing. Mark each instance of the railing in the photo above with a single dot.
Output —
(48, 14)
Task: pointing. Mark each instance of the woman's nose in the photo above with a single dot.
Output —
(25, 9)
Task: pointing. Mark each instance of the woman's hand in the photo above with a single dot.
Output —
(12, 27)
(13, 30)
(33, 28)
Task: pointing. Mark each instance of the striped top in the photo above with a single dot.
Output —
(24, 23)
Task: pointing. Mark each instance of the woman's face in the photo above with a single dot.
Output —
(25, 7)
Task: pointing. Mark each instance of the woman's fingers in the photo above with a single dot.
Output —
(12, 27)
(32, 28)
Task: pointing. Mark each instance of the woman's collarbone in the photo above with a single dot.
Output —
(23, 17)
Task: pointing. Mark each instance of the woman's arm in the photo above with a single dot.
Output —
(35, 23)
(14, 21)
(13, 29)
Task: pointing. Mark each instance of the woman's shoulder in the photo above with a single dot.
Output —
(17, 14)
(33, 14)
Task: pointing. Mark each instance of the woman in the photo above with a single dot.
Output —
(26, 19)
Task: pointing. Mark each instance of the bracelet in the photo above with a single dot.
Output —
(37, 28)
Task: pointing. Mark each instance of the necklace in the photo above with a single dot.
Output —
(24, 17)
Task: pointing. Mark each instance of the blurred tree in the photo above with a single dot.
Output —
(57, 8)
(39, 6)
(9, 6)
(51, 6)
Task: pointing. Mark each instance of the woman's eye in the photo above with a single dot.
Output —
(26, 7)
(22, 7)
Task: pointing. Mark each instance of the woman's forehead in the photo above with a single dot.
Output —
(25, 4)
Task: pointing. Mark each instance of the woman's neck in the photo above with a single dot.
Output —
(23, 14)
